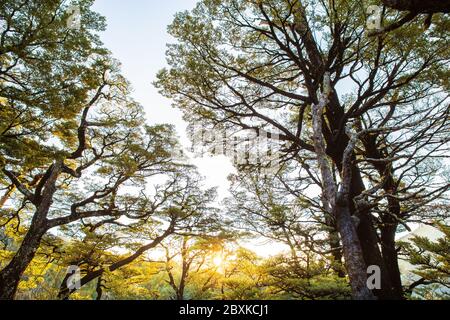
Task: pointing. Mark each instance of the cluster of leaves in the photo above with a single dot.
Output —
(431, 261)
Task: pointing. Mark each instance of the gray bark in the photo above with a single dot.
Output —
(10, 275)
(338, 203)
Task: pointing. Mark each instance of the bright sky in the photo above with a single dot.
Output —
(137, 36)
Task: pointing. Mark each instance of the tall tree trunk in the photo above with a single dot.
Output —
(10, 275)
(368, 236)
(338, 203)
(393, 288)
(367, 233)
(354, 260)
(388, 231)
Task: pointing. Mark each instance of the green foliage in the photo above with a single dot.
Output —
(431, 261)
(47, 72)
(307, 278)
(142, 225)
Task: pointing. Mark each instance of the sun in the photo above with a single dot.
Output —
(218, 261)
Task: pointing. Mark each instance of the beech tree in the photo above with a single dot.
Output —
(179, 206)
(308, 277)
(242, 277)
(48, 72)
(261, 65)
(285, 209)
(358, 120)
(189, 262)
(67, 115)
(116, 158)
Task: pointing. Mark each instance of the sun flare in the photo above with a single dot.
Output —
(218, 261)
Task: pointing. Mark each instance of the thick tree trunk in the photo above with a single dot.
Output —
(389, 222)
(353, 256)
(338, 202)
(370, 243)
(10, 276)
(388, 231)
(366, 230)
(367, 233)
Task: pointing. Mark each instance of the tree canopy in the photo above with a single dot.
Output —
(267, 65)
(98, 204)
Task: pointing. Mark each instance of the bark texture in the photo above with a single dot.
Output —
(10, 275)
(338, 203)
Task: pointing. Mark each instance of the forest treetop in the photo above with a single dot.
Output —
(362, 129)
